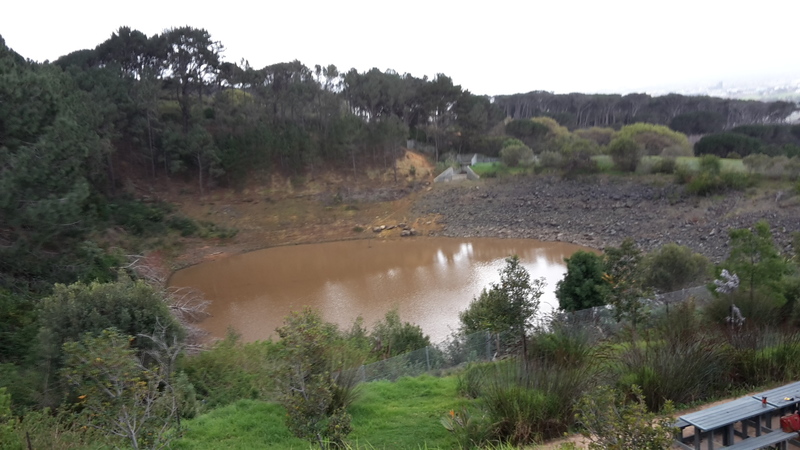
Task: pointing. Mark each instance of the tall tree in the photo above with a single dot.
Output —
(583, 285)
(756, 260)
(510, 304)
(191, 61)
(624, 277)
(49, 153)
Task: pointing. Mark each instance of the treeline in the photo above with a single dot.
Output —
(172, 104)
(687, 114)
(745, 140)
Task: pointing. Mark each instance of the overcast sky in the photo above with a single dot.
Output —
(488, 47)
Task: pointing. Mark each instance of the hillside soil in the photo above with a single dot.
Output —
(325, 206)
(595, 211)
(602, 210)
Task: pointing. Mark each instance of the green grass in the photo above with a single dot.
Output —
(728, 165)
(494, 169)
(604, 162)
(406, 413)
(401, 415)
(246, 424)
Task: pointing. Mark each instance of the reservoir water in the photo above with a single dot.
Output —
(428, 280)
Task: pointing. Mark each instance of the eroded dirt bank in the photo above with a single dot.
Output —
(598, 211)
(594, 211)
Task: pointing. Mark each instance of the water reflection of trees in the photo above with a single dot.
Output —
(424, 276)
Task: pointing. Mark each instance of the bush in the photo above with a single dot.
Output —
(230, 371)
(514, 155)
(664, 165)
(761, 357)
(721, 144)
(676, 151)
(534, 401)
(583, 285)
(132, 307)
(392, 337)
(551, 159)
(682, 371)
(137, 217)
(793, 168)
(756, 163)
(186, 226)
(528, 131)
(707, 183)
(653, 139)
(673, 267)
(613, 422)
(564, 346)
(600, 136)
(626, 153)
(711, 164)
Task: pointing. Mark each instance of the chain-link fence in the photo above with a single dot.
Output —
(598, 323)
(455, 351)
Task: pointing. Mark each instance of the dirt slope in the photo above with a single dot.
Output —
(594, 211)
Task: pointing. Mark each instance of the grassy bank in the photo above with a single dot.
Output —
(401, 415)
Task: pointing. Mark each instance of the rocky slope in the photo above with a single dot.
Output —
(598, 211)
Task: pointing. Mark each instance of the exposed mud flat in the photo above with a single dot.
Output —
(599, 211)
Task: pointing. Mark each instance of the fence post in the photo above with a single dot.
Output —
(488, 346)
(427, 359)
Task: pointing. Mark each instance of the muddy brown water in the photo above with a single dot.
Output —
(428, 280)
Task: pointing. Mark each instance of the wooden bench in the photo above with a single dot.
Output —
(755, 443)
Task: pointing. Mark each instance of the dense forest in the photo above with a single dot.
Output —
(74, 131)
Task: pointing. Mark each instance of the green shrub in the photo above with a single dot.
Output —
(470, 430)
(756, 163)
(551, 159)
(564, 346)
(711, 164)
(137, 217)
(600, 136)
(230, 371)
(673, 267)
(760, 356)
(653, 139)
(676, 151)
(210, 230)
(707, 183)
(763, 308)
(392, 337)
(664, 165)
(533, 401)
(682, 371)
(617, 420)
(733, 155)
(470, 382)
(515, 155)
(186, 226)
(626, 153)
(721, 144)
(793, 168)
